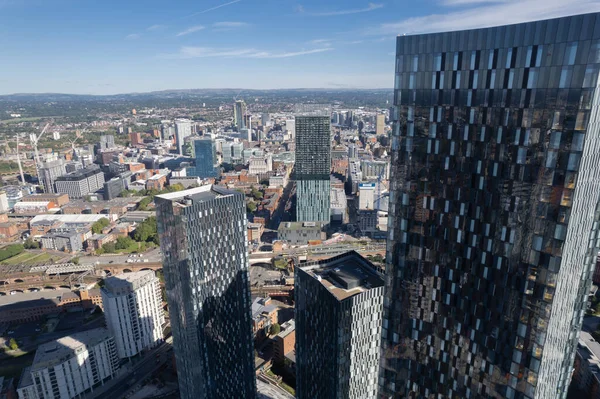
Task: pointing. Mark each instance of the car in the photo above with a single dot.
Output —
(11, 332)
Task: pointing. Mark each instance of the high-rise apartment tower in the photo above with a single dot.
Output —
(312, 167)
(493, 209)
(203, 239)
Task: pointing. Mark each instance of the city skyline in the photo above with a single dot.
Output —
(350, 44)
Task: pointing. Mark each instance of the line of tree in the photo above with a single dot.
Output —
(99, 225)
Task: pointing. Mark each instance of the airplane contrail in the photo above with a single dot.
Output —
(214, 8)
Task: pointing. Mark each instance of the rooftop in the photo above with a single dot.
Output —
(197, 195)
(287, 328)
(301, 226)
(59, 351)
(126, 282)
(69, 218)
(345, 275)
(79, 174)
(26, 379)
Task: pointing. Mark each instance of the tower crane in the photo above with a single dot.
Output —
(19, 162)
(34, 142)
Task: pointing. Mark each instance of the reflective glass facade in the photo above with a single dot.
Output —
(204, 242)
(205, 151)
(312, 167)
(493, 209)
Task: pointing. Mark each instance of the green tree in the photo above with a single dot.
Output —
(30, 244)
(251, 206)
(275, 329)
(75, 260)
(143, 204)
(98, 226)
(109, 247)
(146, 231)
(123, 242)
(12, 344)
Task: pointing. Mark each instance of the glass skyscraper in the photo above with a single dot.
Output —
(207, 166)
(312, 168)
(204, 242)
(494, 215)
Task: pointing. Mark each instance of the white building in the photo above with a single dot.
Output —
(366, 195)
(56, 135)
(260, 165)
(133, 310)
(290, 126)
(183, 129)
(70, 366)
(3, 202)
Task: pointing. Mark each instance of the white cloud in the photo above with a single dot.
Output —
(133, 36)
(321, 42)
(155, 27)
(230, 24)
(371, 7)
(209, 52)
(507, 12)
(190, 30)
(215, 8)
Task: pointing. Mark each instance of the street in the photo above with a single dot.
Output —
(152, 256)
(119, 387)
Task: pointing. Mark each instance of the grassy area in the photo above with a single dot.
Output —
(12, 367)
(288, 388)
(28, 258)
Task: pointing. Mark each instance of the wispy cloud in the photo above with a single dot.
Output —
(215, 8)
(133, 36)
(371, 7)
(490, 14)
(190, 30)
(155, 28)
(209, 52)
(470, 2)
(230, 24)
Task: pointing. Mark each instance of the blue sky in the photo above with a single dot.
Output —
(121, 46)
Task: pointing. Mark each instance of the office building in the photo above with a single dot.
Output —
(493, 209)
(49, 172)
(339, 206)
(232, 152)
(239, 112)
(313, 164)
(284, 343)
(265, 118)
(586, 374)
(380, 125)
(70, 366)
(135, 139)
(301, 233)
(203, 239)
(133, 311)
(260, 165)
(339, 305)
(113, 188)
(183, 129)
(80, 183)
(375, 169)
(207, 164)
(107, 141)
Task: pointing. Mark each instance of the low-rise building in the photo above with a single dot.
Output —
(72, 365)
(284, 342)
(58, 199)
(301, 233)
(30, 208)
(67, 241)
(339, 206)
(8, 231)
(96, 241)
(264, 315)
(586, 376)
(156, 182)
(255, 231)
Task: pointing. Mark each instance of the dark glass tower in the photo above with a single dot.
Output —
(203, 239)
(205, 150)
(494, 209)
(312, 168)
(339, 304)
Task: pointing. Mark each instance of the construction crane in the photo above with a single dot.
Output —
(34, 142)
(19, 162)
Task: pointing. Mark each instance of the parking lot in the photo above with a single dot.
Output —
(260, 276)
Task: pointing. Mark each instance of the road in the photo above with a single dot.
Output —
(268, 391)
(152, 256)
(118, 388)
